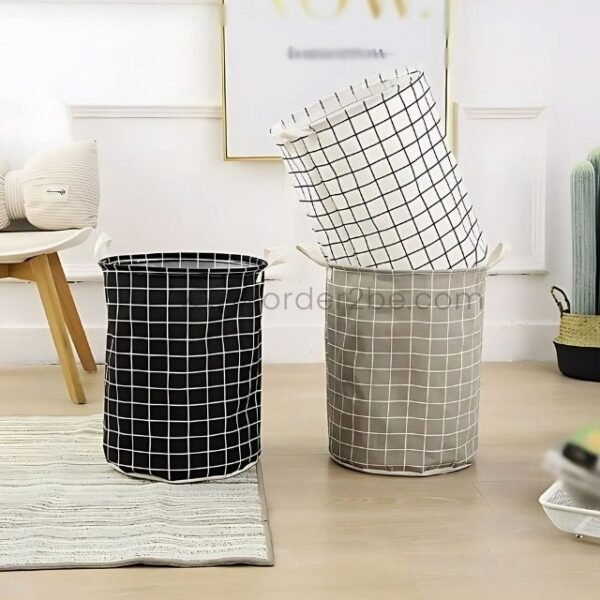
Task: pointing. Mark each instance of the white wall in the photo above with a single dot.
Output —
(143, 79)
(519, 53)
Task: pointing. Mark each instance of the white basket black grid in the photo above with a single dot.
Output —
(183, 364)
(403, 352)
(378, 179)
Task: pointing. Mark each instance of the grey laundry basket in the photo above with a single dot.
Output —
(403, 353)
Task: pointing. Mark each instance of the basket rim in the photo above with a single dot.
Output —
(142, 263)
(543, 500)
(336, 266)
(310, 119)
(558, 342)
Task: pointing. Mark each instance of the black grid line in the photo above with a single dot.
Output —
(403, 353)
(378, 180)
(183, 364)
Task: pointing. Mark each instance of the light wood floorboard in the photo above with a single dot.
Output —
(475, 534)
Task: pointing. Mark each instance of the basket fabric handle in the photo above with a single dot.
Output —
(270, 272)
(561, 299)
(102, 246)
(313, 253)
(498, 254)
(288, 134)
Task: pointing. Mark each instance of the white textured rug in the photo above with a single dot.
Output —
(62, 505)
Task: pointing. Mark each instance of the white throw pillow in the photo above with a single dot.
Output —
(58, 190)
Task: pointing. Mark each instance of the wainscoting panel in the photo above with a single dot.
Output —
(165, 186)
(502, 153)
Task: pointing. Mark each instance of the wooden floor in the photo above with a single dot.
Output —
(475, 534)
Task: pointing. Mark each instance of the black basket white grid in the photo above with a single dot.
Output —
(403, 354)
(183, 364)
(378, 179)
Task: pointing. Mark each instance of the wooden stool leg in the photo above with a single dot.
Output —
(42, 275)
(71, 315)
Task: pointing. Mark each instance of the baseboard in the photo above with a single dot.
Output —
(519, 341)
(290, 343)
(33, 345)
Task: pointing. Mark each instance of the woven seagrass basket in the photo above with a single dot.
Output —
(578, 342)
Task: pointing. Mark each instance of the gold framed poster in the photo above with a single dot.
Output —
(280, 55)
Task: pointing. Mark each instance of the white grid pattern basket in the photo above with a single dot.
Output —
(378, 180)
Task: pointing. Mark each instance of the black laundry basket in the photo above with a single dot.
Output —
(183, 364)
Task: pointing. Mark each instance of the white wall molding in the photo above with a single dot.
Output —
(162, 111)
(502, 342)
(532, 188)
(91, 272)
(501, 112)
(83, 272)
(33, 345)
(76, 273)
(530, 340)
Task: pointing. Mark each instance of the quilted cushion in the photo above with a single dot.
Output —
(59, 190)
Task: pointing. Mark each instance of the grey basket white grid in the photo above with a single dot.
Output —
(378, 180)
(403, 360)
(183, 364)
